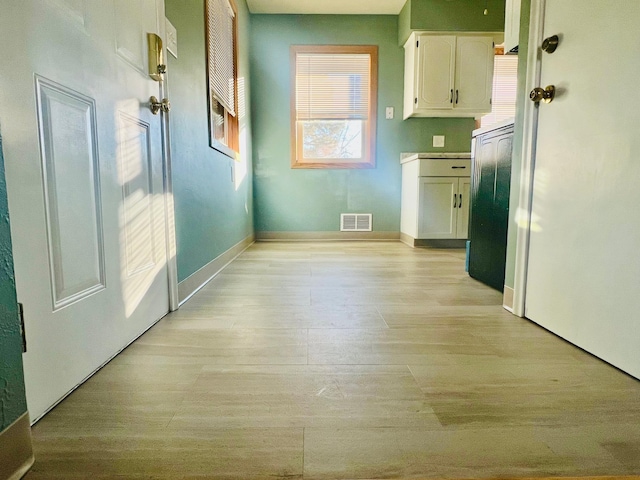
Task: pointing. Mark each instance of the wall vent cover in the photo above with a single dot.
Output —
(355, 222)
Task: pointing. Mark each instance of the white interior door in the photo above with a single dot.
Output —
(584, 266)
(85, 182)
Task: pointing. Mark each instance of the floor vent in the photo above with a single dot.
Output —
(355, 222)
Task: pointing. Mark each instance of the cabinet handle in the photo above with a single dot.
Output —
(451, 96)
(455, 200)
(460, 205)
(457, 95)
(458, 167)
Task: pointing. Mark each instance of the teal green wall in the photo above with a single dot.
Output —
(404, 23)
(516, 163)
(13, 402)
(213, 213)
(311, 200)
(452, 15)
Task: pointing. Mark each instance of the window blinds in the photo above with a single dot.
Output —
(220, 30)
(505, 85)
(332, 86)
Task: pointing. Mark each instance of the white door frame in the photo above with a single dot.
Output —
(528, 155)
(169, 211)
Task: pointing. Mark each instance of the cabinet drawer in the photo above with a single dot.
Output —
(445, 168)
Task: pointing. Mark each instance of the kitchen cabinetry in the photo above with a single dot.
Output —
(443, 207)
(490, 186)
(448, 75)
(435, 197)
(512, 26)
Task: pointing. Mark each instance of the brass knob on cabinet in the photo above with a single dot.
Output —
(546, 95)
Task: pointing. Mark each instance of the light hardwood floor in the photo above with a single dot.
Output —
(345, 361)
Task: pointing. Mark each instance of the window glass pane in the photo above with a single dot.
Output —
(217, 121)
(332, 139)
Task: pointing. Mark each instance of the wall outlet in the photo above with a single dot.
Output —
(438, 140)
(389, 113)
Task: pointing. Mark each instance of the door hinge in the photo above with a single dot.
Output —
(23, 333)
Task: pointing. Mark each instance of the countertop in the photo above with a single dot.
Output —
(409, 157)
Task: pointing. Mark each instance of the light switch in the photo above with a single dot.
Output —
(438, 140)
(389, 113)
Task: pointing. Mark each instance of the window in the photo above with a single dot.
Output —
(333, 106)
(221, 31)
(505, 85)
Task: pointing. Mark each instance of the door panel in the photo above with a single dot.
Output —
(436, 62)
(474, 73)
(437, 214)
(85, 183)
(583, 256)
(69, 154)
(464, 194)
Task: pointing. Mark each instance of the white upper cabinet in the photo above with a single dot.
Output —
(448, 75)
(512, 25)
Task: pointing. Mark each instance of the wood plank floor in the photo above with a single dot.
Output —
(345, 361)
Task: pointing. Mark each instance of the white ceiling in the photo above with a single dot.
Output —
(345, 7)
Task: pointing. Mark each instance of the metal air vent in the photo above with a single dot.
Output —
(355, 222)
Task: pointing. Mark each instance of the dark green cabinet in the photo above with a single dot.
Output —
(490, 184)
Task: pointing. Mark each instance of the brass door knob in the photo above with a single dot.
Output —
(155, 105)
(547, 95)
(550, 44)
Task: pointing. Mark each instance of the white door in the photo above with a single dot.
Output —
(84, 177)
(584, 263)
(474, 74)
(436, 64)
(438, 207)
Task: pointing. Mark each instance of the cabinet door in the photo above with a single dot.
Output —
(474, 74)
(512, 24)
(435, 72)
(437, 211)
(464, 195)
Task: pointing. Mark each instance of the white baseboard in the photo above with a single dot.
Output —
(507, 299)
(16, 452)
(325, 236)
(190, 285)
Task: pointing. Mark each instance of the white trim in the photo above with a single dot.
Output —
(528, 153)
(197, 280)
(16, 451)
(169, 212)
(326, 236)
(507, 299)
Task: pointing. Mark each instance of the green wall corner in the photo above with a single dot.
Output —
(13, 402)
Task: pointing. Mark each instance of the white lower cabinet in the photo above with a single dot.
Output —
(435, 198)
(443, 207)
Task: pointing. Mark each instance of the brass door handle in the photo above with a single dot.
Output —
(547, 95)
(155, 105)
